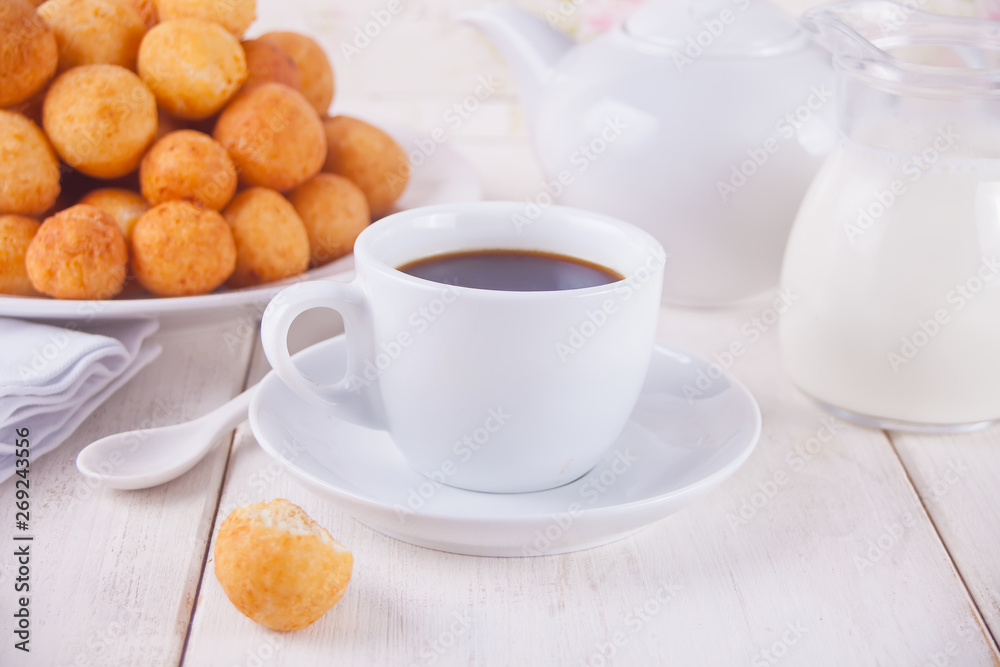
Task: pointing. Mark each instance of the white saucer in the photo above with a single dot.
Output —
(673, 450)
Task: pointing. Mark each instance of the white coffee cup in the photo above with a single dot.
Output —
(486, 390)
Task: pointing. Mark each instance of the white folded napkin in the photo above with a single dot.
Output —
(51, 378)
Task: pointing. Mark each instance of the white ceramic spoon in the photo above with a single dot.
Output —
(149, 457)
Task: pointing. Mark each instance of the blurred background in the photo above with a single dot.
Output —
(421, 63)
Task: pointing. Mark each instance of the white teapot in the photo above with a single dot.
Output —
(702, 122)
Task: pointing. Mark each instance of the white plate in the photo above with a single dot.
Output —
(673, 451)
(444, 178)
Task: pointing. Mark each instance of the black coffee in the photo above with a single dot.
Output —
(511, 271)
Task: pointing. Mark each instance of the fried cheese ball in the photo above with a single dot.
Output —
(234, 15)
(192, 66)
(274, 136)
(182, 249)
(94, 31)
(188, 165)
(124, 206)
(28, 52)
(79, 253)
(101, 119)
(370, 158)
(271, 239)
(16, 232)
(334, 211)
(29, 168)
(279, 567)
(314, 67)
(267, 63)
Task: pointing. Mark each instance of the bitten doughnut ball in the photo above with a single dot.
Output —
(334, 211)
(278, 566)
(267, 63)
(29, 168)
(101, 119)
(182, 249)
(188, 165)
(28, 52)
(370, 158)
(274, 136)
(79, 253)
(94, 31)
(192, 66)
(313, 65)
(271, 239)
(16, 232)
(234, 15)
(124, 206)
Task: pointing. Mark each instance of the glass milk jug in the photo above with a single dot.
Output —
(893, 262)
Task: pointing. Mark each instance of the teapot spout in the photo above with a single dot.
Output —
(530, 46)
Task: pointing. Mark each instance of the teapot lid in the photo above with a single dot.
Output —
(716, 27)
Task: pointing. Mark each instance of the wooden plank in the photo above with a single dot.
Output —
(956, 477)
(832, 561)
(114, 573)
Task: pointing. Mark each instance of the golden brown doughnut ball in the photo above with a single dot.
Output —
(182, 249)
(16, 232)
(28, 52)
(29, 169)
(334, 211)
(267, 63)
(94, 31)
(314, 66)
(101, 119)
(192, 66)
(274, 136)
(79, 253)
(188, 165)
(234, 15)
(279, 567)
(271, 239)
(124, 206)
(370, 158)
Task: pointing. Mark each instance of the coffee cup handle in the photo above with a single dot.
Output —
(348, 399)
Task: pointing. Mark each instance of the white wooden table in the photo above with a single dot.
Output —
(833, 545)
